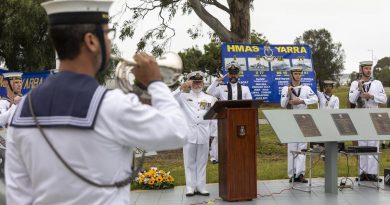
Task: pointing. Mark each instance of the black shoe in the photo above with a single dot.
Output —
(300, 179)
(205, 193)
(373, 178)
(189, 194)
(214, 162)
(291, 178)
(363, 177)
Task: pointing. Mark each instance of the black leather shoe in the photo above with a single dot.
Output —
(189, 194)
(204, 193)
(300, 179)
(363, 177)
(373, 178)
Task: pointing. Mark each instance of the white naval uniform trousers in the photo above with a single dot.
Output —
(221, 92)
(309, 97)
(34, 175)
(214, 143)
(368, 163)
(195, 152)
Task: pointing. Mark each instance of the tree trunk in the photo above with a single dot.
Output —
(240, 23)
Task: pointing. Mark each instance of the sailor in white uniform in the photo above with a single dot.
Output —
(297, 96)
(82, 152)
(13, 83)
(233, 90)
(367, 93)
(195, 104)
(326, 99)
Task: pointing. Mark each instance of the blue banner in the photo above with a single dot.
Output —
(30, 80)
(265, 68)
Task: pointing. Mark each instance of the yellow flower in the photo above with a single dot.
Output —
(141, 179)
(151, 181)
(159, 179)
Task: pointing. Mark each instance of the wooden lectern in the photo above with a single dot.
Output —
(237, 131)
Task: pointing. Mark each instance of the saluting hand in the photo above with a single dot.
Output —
(186, 85)
(220, 78)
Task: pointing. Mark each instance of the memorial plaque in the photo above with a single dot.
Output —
(381, 123)
(307, 125)
(344, 124)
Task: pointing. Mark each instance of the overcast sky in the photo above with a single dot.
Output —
(361, 26)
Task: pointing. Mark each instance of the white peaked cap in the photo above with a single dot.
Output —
(196, 73)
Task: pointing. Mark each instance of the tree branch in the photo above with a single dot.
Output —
(217, 4)
(212, 22)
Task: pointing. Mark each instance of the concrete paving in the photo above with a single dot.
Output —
(272, 192)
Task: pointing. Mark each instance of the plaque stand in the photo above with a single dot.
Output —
(331, 151)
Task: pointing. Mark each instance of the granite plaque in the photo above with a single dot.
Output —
(381, 123)
(344, 124)
(307, 125)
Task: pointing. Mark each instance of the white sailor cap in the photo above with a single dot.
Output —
(296, 69)
(196, 75)
(329, 82)
(366, 63)
(13, 75)
(77, 11)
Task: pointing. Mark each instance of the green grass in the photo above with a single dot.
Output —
(271, 155)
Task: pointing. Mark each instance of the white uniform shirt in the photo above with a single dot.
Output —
(306, 94)
(376, 89)
(4, 105)
(327, 102)
(34, 175)
(5, 111)
(221, 91)
(195, 106)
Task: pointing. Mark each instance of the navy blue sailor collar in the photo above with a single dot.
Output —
(64, 99)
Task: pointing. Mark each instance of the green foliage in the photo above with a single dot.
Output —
(353, 76)
(328, 57)
(258, 38)
(24, 44)
(382, 71)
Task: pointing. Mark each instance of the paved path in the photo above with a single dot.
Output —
(268, 194)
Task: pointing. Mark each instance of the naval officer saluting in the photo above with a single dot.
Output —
(195, 105)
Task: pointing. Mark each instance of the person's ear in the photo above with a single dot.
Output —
(91, 42)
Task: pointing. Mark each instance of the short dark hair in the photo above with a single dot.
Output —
(67, 39)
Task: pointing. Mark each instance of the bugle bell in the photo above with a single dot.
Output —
(170, 65)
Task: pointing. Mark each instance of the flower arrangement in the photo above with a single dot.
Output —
(154, 179)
